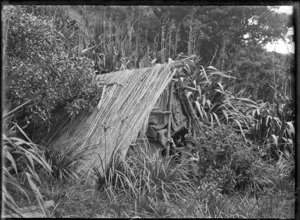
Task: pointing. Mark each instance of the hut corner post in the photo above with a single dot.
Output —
(190, 107)
(170, 117)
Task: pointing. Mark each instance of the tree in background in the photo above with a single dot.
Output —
(260, 73)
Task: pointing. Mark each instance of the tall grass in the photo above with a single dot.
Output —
(148, 186)
(146, 182)
(65, 161)
(21, 159)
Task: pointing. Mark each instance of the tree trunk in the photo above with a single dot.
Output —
(170, 117)
(176, 39)
(190, 37)
(221, 54)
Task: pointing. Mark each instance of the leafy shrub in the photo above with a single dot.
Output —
(44, 73)
(230, 163)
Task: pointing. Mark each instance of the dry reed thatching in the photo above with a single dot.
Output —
(127, 100)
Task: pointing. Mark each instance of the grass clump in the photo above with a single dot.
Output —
(146, 184)
(21, 159)
(66, 161)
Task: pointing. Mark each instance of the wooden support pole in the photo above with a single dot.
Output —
(190, 106)
(170, 118)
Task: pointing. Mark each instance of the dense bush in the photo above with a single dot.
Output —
(274, 128)
(231, 164)
(43, 72)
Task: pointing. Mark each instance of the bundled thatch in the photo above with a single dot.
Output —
(127, 100)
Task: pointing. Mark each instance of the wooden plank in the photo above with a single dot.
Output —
(190, 106)
(170, 117)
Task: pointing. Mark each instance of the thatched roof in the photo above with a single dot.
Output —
(127, 100)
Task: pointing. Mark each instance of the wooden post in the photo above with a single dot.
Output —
(190, 106)
(170, 117)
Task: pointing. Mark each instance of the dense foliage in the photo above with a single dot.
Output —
(245, 105)
(232, 165)
(43, 72)
(257, 71)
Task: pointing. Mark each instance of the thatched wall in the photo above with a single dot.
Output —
(127, 100)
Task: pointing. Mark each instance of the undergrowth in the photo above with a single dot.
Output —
(234, 183)
(147, 186)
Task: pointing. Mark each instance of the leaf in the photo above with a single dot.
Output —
(198, 107)
(37, 193)
(275, 138)
(269, 118)
(205, 75)
(204, 113)
(190, 88)
(212, 68)
(221, 87)
(10, 202)
(199, 90)
(6, 116)
(30, 159)
(291, 126)
(219, 73)
(11, 183)
(216, 117)
(23, 133)
(88, 49)
(277, 120)
(203, 100)
(226, 116)
(208, 103)
(241, 129)
(212, 121)
(189, 94)
(153, 62)
(290, 141)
